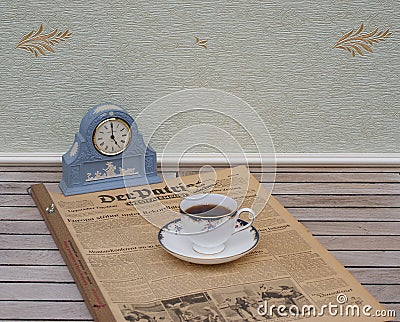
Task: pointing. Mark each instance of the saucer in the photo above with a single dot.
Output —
(180, 246)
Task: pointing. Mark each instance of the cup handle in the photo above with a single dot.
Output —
(252, 217)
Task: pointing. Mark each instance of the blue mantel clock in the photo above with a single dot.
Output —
(108, 153)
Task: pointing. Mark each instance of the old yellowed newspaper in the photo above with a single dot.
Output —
(289, 275)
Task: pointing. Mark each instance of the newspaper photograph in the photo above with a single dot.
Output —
(289, 276)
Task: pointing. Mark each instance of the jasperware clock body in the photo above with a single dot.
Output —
(108, 153)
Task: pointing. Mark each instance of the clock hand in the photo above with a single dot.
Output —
(113, 138)
(112, 135)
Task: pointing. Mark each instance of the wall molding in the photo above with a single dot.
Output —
(282, 159)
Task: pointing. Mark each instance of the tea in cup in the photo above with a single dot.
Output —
(209, 220)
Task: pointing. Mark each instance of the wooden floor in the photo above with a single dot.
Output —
(354, 212)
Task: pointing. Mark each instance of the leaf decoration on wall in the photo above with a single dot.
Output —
(360, 42)
(201, 42)
(40, 44)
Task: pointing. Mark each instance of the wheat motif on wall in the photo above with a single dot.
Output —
(360, 42)
(201, 42)
(40, 44)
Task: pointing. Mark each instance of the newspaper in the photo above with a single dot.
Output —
(289, 275)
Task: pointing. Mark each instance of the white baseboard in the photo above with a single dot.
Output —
(282, 159)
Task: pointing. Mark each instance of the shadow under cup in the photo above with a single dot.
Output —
(209, 221)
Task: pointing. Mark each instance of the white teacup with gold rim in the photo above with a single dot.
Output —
(209, 220)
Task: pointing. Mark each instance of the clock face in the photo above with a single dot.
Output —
(112, 136)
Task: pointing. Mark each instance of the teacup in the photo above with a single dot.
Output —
(209, 220)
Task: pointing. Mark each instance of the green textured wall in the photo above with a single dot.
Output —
(279, 56)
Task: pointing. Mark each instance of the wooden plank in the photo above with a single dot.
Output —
(313, 176)
(376, 275)
(20, 213)
(287, 200)
(301, 213)
(187, 170)
(368, 242)
(24, 227)
(58, 168)
(47, 320)
(301, 188)
(167, 174)
(29, 310)
(354, 169)
(43, 176)
(360, 242)
(332, 177)
(385, 293)
(314, 214)
(39, 307)
(339, 201)
(21, 187)
(30, 257)
(368, 258)
(348, 258)
(27, 242)
(353, 228)
(16, 201)
(13, 273)
(279, 188)
(39, 168)
(39, 291)
(350, 214)
(315, 227)
(14, 187)
(70, 292)
(31, 176)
